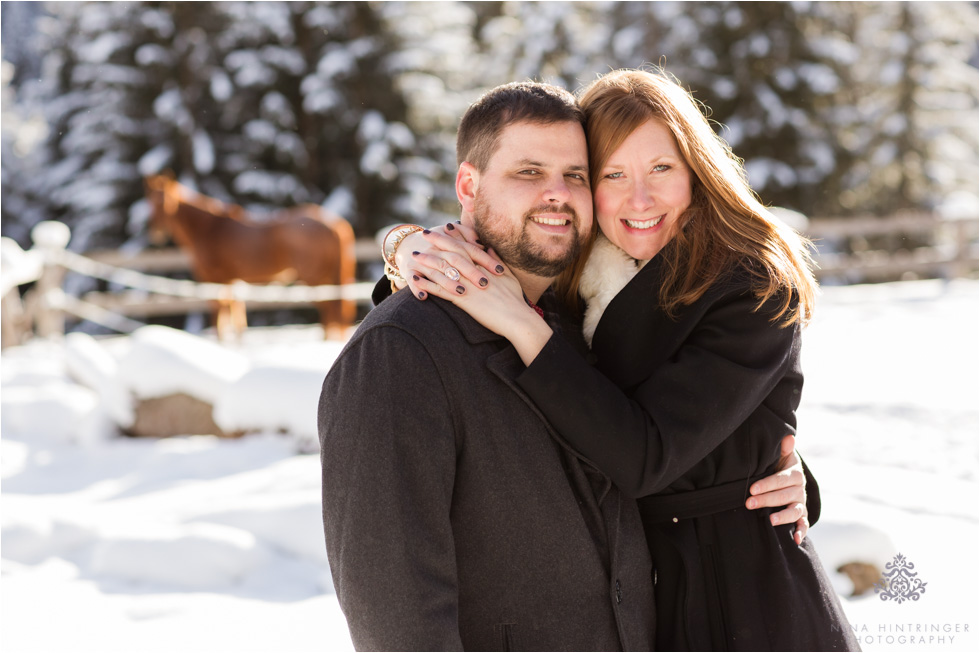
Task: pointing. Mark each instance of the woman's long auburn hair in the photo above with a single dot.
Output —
(726, 226)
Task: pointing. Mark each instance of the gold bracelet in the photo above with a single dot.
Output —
(393, 239)
(393, 274)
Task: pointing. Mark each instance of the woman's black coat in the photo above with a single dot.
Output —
(672, 406)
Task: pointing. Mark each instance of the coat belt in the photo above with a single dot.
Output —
(696, 503)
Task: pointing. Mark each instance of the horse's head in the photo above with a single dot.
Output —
(161, 193)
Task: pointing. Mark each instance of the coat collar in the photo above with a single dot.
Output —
(476, 333)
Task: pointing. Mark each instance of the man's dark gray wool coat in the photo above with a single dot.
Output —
(454, 517)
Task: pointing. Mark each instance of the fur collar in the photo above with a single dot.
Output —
(607, 271)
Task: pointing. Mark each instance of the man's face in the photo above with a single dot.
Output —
(533, 203)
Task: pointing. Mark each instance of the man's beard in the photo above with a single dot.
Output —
(517, 249)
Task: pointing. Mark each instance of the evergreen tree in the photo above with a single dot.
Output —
(564, 43)
(837, 108)
(313, 90)
(907, 114)
(264, 104)
(102, 103)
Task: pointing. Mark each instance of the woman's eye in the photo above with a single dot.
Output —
(614, 175)
(663, 167)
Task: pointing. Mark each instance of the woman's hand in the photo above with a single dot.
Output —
(785, 489)
(500, 307)
(430, 254)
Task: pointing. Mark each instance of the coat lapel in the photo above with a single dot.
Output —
(634, 335)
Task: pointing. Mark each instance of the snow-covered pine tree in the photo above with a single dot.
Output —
(314, 94)
(907, 114)
(438, 69)
(184, 117)
(98, 103)
(564, 43)
(266, 104)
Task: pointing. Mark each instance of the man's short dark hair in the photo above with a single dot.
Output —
(480, 128)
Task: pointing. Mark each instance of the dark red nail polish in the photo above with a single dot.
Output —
(426, 231)
(421, 294)
(415, 276)
(450, 226)
(483, 282)
(415, 253)
(460, 289)
(500, 269)
(459, 222)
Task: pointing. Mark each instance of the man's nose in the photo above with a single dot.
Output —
(557, 190)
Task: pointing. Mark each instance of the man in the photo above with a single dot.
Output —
(465, 523)
(455, 517)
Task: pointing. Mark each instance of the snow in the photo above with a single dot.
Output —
(155, 160)
(203, 152)
(163, 361)
(18, 267)
(93, 367)
(199, 543)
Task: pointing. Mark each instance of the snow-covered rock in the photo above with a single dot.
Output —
(271, 398)
(164, 361)
(92, 366)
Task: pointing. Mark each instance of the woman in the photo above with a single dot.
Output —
(695, 298)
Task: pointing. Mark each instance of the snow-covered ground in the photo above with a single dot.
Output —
(204, 544)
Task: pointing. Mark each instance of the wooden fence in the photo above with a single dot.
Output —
(140, 304)
(848, 250)
(904, 246)
(144, 292)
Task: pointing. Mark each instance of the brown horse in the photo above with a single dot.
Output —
(305, 243)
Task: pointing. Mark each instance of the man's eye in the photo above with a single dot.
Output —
(528, 172)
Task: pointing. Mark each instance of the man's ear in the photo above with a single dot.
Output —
(467, 185)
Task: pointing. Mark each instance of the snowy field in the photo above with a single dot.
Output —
(204, 544)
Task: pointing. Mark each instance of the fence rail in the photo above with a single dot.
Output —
(866, 249)
(849, 250)
(172, 259)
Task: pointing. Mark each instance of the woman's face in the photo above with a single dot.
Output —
(643, 191)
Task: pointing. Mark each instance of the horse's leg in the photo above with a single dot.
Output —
(333, 329)
(223, 321)
(220, 320)
(348, 312)
(239, 320)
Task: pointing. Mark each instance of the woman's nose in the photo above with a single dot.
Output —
(640, 197)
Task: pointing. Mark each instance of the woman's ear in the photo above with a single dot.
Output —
(467, 184)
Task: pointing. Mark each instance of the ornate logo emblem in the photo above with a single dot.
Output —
(899, 583)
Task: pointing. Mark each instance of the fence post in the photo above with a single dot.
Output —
(961, 258)
(51, 238)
